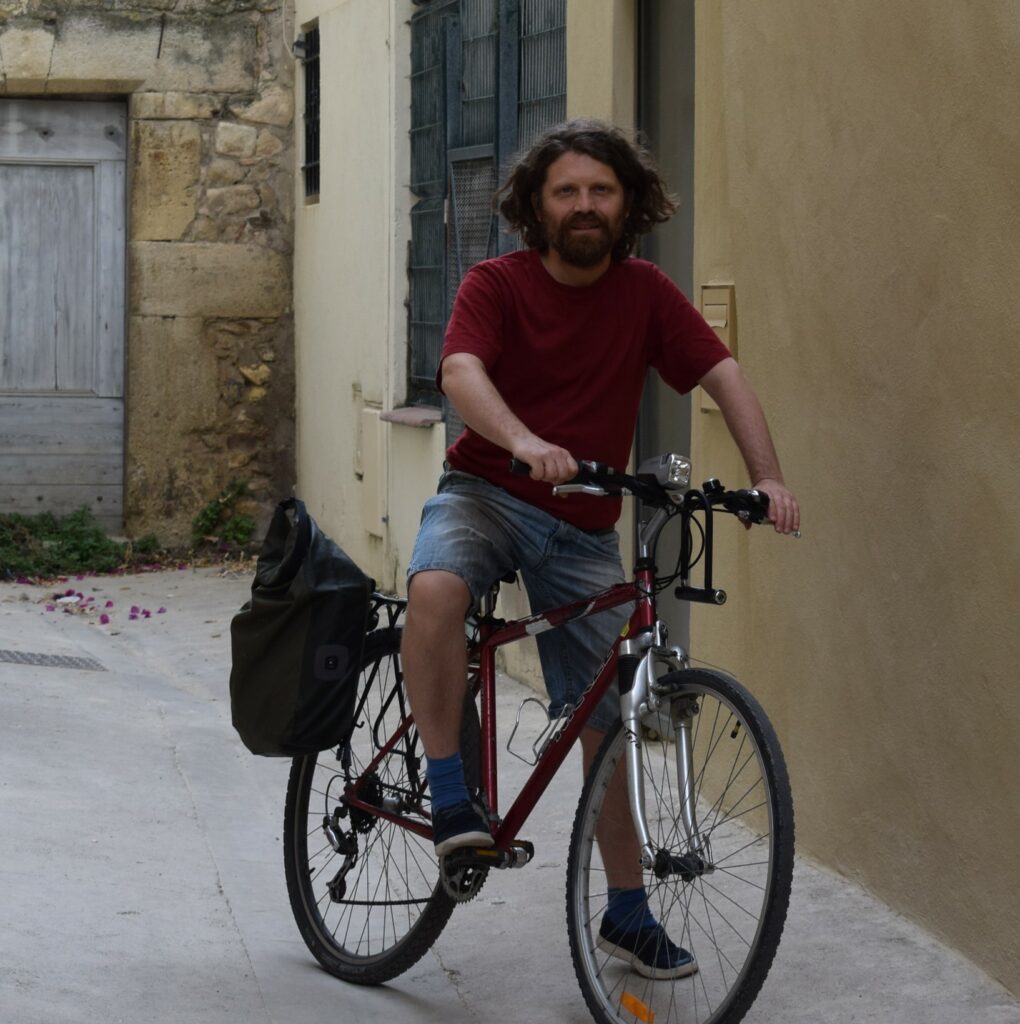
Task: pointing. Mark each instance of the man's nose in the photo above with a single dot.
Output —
(583, 202)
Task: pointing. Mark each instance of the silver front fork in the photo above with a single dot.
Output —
(639, 702)
(685, 773)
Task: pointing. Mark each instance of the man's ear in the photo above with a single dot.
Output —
(536, 204)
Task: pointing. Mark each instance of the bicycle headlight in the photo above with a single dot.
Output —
(672, 471)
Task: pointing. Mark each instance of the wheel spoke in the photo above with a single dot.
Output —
(729, 911)
(392, 908)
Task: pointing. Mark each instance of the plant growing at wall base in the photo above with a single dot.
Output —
(47, 545)
(218, 522)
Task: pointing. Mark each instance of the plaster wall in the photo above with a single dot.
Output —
(360, 474)
(856, 180)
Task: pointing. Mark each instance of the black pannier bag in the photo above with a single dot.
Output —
(296, 646)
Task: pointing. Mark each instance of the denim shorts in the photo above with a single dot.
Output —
(481, 533)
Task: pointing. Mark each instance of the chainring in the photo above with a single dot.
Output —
(461, 877)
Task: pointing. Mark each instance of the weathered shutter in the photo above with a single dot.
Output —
(62, 182)
(430, 27)
(484, 76)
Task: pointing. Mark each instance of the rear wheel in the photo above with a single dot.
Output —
(365, 892)
(722, 891)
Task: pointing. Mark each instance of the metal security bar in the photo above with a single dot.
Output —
(480, 38)
(310, 168)
(543, 85)
(427, 269)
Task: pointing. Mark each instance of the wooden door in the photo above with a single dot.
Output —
(62, 220)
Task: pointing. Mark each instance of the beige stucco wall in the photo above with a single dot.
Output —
(857, 180)
(364, 479)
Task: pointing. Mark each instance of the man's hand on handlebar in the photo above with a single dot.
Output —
(549, 463)
(784, 512)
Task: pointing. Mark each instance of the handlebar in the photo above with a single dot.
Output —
(653, 485)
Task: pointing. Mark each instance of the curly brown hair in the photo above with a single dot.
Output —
(648, 201)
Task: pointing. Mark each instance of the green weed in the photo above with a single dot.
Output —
(219, 523)
(44, 545)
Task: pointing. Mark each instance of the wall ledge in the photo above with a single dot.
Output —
(413, 416)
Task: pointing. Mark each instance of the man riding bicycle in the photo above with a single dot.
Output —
(546, 355)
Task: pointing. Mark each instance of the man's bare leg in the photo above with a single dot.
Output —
(618, 843)
(434, 656)
(621, 857)
(435, 674)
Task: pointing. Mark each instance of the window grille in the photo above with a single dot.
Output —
(484, 76)
(543, 86)
(310, 168)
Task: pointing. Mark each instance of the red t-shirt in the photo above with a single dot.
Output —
(571, 364)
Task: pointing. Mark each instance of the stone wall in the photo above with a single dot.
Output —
(209, 87)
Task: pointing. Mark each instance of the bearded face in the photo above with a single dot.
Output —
(584, 240)
(582, 209)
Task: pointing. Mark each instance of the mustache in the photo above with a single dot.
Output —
(586, 220)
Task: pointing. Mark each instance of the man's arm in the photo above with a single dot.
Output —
(482, 408)
(730, 389)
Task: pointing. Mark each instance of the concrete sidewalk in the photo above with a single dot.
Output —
(142, 872)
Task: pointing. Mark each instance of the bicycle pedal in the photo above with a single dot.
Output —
(472, 856)
(519, 853)
(522, 852)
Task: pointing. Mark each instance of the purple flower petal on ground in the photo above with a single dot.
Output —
(161, 611)
(22, 579)
(135, 609)
(51, 607)
(79, 577)
(104, 619)
(69, 593)
(109, 604)
(132, 616)
(146, 614)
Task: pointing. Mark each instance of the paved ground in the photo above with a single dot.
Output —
(142, 876)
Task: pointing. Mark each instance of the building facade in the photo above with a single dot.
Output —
(848, 199)
(146, 170)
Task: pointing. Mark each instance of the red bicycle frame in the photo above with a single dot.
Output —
(493, 635)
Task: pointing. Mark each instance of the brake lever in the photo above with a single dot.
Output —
(561, 490)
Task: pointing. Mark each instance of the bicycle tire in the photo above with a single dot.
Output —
(393, 906)
(731, 917)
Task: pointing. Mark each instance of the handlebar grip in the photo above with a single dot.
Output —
(750, 505)
(518, 468)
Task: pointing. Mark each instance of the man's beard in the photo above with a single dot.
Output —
(585, 250)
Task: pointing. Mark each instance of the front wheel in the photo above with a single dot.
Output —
(720, 815)
(365, 891)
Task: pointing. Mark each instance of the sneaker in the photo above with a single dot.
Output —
(457, 826)
(649, 950)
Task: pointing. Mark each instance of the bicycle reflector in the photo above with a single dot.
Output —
(634, 1005)
(671, 471)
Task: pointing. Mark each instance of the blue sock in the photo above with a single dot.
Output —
(628, 909)
(446, 781)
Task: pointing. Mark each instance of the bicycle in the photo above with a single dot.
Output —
(707, 786)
